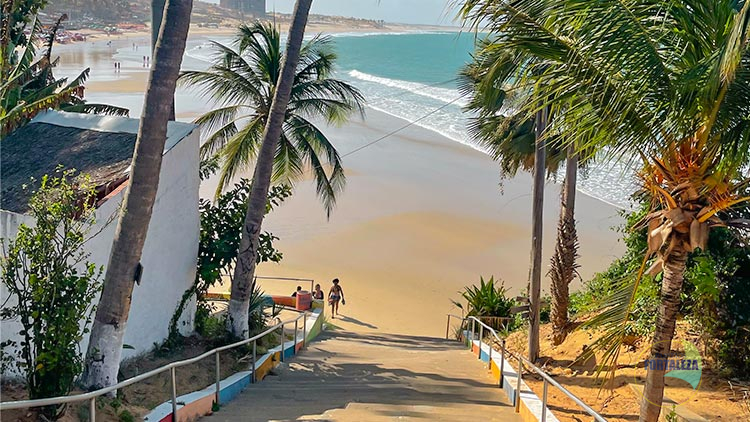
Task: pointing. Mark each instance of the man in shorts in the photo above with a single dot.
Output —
(335, 295)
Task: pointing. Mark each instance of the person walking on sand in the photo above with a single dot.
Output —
(335, 295)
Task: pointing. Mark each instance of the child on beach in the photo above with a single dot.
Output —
(335, 295)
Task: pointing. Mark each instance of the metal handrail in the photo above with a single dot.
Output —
(23, 404)
(312, 282)
(521, 362)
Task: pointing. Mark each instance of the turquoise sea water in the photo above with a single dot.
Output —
(412, 76)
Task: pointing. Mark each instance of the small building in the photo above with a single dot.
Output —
(102, 147)
(256, 8)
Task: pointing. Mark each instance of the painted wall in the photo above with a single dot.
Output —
(169, 254)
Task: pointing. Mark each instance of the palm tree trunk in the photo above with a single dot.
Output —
(105, 344)
(674, 271)
(563, 267)
(243, 284)
(157, 16)
(537, 218)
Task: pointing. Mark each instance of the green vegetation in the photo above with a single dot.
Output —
(661, 80)
(28, 86)
(489, 303)
(51, 287)
(242, 79)
(712, 300)
(221, 225)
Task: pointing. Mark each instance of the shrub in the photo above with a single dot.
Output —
(53, 286)
(488, 300)
(220, 233)
(714, 297)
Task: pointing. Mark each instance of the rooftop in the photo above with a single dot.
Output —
(100, 146)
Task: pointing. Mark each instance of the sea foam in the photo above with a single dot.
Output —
(446, 95)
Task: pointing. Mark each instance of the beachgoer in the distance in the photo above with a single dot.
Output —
(335, 295)
(299, 289)
(318, 293)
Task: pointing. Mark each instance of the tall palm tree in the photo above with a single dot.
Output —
(668, 80)
(157, 16)
(512, 141)
(563, 265)
(242, 80)
(665, 80)
(106, 341)
(266, 104)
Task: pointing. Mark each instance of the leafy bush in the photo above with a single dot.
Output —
(714, 295)
(46, 272)
(221, 231)
(488, 300)
(213, 328)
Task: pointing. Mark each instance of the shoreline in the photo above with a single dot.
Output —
(422, 215)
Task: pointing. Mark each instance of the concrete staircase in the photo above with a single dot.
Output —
(348, 376)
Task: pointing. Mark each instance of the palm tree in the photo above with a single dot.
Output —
(157, 15)
(512, 141)
(265, 107)
(563, 265)
(665, 80)
(28, 85)
(243, 79)
(106, 341)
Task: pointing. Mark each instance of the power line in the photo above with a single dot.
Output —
(411, 123)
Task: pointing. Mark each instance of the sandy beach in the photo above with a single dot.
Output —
(421, 216)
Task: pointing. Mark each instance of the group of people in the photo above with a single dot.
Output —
(335, 295)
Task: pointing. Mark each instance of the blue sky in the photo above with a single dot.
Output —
(426, 12)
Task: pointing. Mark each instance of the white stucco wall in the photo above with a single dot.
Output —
(169, 254)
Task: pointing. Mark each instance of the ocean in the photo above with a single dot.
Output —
(412, 76)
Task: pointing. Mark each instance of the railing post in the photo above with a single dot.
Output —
(502, 362)
(282, 342)
(218, 377)
(481, 338)
(518, 385)
(447, 327)
(304, 331)
(489, 360)
(174, 394)
(296, 324)
(255, 357)
(473, 326)
(92, 409)
(544, 401)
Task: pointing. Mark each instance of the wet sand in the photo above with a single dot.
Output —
(421, 216)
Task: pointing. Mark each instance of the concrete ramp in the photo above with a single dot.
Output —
(349, 376)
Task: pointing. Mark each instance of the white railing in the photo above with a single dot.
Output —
(92, 396)
(521, 362)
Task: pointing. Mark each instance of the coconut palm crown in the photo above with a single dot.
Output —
(662, 80)
(241, 81)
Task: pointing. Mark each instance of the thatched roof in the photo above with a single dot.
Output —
(39, 148)
(100, 146)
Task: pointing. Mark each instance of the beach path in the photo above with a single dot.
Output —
(370, 376)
